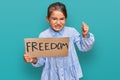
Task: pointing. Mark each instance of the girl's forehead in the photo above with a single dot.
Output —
(57, 12)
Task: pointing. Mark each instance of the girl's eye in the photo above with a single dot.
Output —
(62, 19)
(54, 18)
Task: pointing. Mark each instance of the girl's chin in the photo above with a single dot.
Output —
(57, 29)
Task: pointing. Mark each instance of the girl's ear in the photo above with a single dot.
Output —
(47, 19)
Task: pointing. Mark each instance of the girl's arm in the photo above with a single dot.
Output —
(84, 41)
(40, 62)
(85, 44)
(35, 61)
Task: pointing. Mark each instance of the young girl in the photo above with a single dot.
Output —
(62, 68)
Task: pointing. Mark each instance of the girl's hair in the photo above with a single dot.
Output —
(57, 6)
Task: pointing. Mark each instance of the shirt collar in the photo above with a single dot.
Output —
(56, 33)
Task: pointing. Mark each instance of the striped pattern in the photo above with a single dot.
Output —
(65, 68)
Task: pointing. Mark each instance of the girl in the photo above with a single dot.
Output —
(62, 68)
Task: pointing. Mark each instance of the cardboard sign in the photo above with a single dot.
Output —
(46, 47)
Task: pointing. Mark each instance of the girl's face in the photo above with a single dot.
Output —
(56, 20)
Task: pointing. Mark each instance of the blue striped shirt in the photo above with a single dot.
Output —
(64, 68)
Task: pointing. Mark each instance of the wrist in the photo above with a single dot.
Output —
(85, 35)
(34, 60)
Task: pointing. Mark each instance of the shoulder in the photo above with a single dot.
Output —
(44, 33)
(71, 30)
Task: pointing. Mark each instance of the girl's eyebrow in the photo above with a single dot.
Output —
(53, 17)
(60, 18)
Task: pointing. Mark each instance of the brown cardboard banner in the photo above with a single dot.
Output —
(46, 47)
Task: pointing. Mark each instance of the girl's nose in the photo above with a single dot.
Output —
(58, 22)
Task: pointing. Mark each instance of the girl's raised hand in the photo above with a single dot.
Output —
(85, 29)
